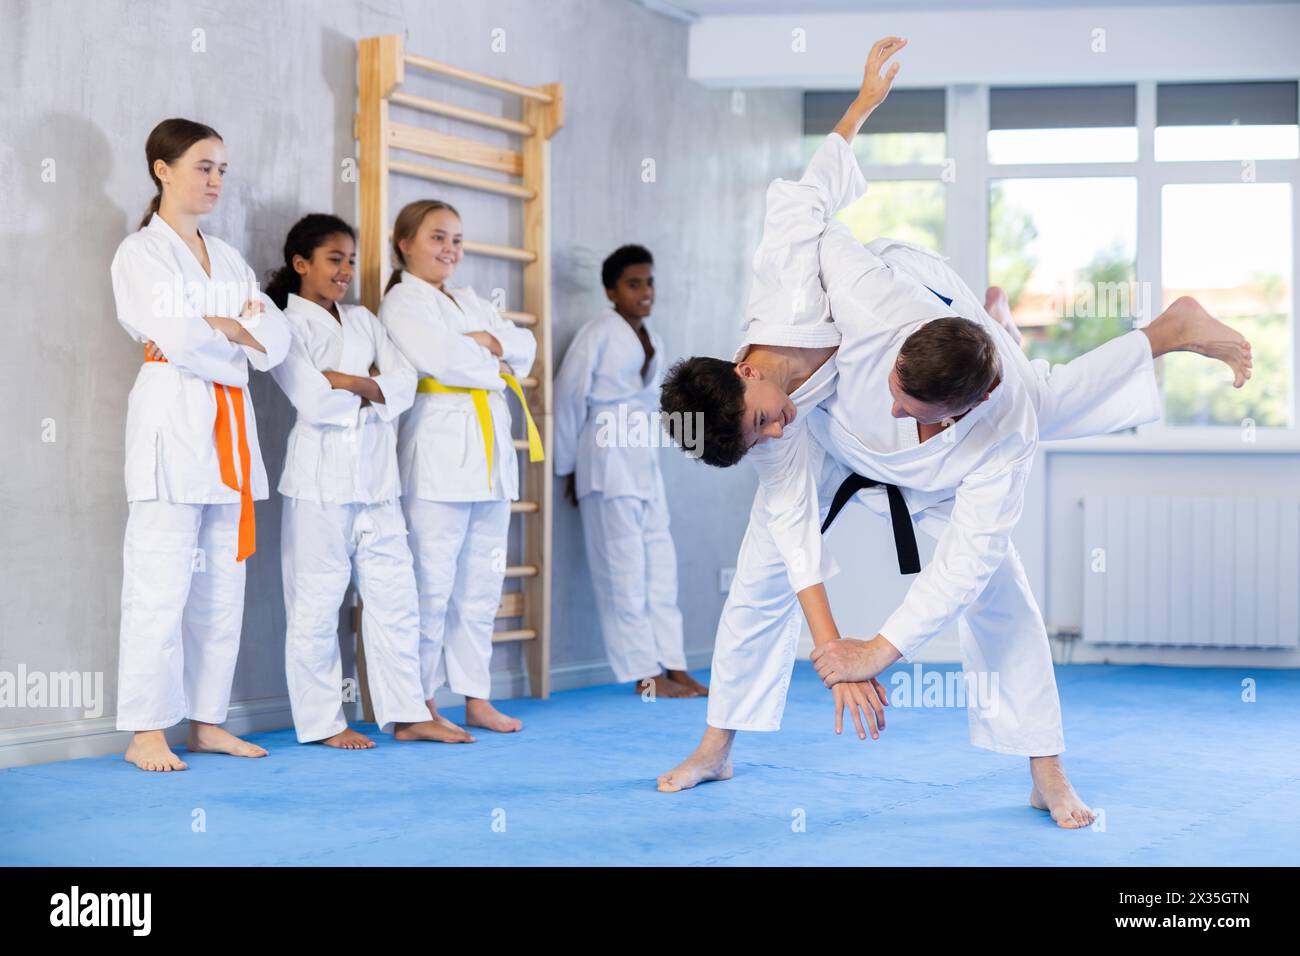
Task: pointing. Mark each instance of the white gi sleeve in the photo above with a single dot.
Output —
(271, 329)
(787, 303)
(309, 391)
(434, 349)
(571, 388)
(144, 287)
(978, 536)
(518, 346)
(396, 378)
(865, 292)
(787, 476)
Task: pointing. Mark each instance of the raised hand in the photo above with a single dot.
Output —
(875, 87)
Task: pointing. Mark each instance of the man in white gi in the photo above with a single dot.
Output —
(878, 368)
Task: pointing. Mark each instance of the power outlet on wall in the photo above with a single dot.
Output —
(724, 579)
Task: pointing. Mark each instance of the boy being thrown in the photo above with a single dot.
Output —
(874, 374)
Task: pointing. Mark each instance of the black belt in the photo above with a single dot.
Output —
(909, 559)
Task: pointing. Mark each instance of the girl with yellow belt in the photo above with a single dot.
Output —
(458, 465)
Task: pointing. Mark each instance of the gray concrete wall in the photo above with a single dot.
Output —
(83, 83)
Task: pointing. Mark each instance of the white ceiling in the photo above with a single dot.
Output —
(691, 9)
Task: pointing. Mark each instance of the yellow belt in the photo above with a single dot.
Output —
(480, 397)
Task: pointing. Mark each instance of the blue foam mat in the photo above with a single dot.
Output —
(1183, 771)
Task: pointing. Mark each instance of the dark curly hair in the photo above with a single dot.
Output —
(307, 234)
(711, 389)
(611, 270)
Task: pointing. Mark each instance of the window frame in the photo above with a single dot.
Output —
(966, 241)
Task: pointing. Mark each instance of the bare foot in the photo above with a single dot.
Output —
(1186, 327)
(348, 739)
(148, 750)
(711, 761)
(441, 731)
(211, 739)
(664, 686)
(481, 713)
(1052, 792)
(689, 682)
(453, 729)
(997, 306)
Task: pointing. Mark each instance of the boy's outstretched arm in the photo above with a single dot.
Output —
(788, 306)
(787, 303)
(875, 87)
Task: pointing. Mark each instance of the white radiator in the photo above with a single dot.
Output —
(1202, 571)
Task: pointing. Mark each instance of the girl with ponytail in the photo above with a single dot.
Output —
(459, 467)
(349, 384)
(193, 465)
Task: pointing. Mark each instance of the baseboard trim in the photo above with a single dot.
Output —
(98, 736)
(589, 673)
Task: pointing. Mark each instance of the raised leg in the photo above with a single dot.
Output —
(999, 308)
(1186, 327)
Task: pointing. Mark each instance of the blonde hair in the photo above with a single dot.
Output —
(406, 226)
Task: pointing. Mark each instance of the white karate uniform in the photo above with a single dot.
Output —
(458, 523)
(964, 486)
(182, 589)
(341, 513)
(606, 433)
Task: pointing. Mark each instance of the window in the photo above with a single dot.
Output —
(907, 128)
(1065, 252)
(1229, 246)
(1062, 124)
(1064, 184)
(902, 151)
(1220, 121)
(1227, 238)
(1095, 207)
(910, 210)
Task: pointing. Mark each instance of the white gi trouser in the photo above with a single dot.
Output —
(460, 563)
(634, 574)
(182, 610)
(320, 544)
(1002, 636)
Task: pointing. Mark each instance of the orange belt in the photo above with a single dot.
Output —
(247, 521)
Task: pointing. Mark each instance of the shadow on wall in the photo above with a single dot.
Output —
(339, 71)
(70, 371)
(69, 416)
